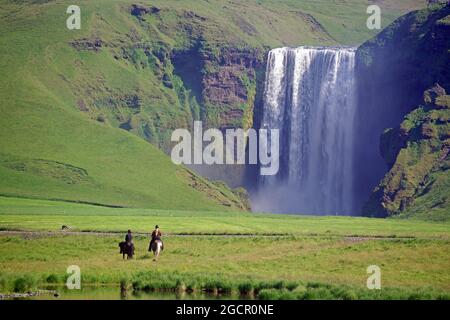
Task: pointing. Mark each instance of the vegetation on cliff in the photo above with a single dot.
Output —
(408, 63)
(418, 151)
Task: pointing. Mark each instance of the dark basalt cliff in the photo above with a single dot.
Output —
(397, 73)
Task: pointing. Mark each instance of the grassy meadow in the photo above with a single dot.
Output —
(43, 215)
(270, 256)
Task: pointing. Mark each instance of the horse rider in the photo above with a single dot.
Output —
(156, 235)
(129, 238)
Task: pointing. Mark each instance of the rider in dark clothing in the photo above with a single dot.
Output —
(129, 237)
(156, 235)
(129, 240)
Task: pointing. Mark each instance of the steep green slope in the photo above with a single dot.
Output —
(51, 150)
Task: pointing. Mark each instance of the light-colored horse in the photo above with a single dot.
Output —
(156, 248)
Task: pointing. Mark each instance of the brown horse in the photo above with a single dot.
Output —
(126, 249)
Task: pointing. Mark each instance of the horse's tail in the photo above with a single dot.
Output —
(157, 245)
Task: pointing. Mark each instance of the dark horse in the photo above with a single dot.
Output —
(126, 249)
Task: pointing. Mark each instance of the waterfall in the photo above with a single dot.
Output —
(310, 96)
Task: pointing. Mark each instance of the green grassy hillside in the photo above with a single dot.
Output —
(52, 153)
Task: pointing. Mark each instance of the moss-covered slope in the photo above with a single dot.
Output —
(418, 151)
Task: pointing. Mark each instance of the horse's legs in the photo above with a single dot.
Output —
(156, 252)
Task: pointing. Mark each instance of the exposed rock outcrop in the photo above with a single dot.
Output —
(139, 10)
(93, 44)
(230, 86)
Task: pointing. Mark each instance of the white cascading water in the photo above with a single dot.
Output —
(310, 96)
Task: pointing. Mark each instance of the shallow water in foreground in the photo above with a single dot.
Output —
(114, 293)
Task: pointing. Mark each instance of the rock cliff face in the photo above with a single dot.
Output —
(403, 75)
(418, 154)
(230, 83)
(224, 82)
(227, 86)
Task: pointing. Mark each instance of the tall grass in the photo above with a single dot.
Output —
(156, 281)
(274, 290)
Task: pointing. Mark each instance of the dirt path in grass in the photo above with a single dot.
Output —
(352, 238)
